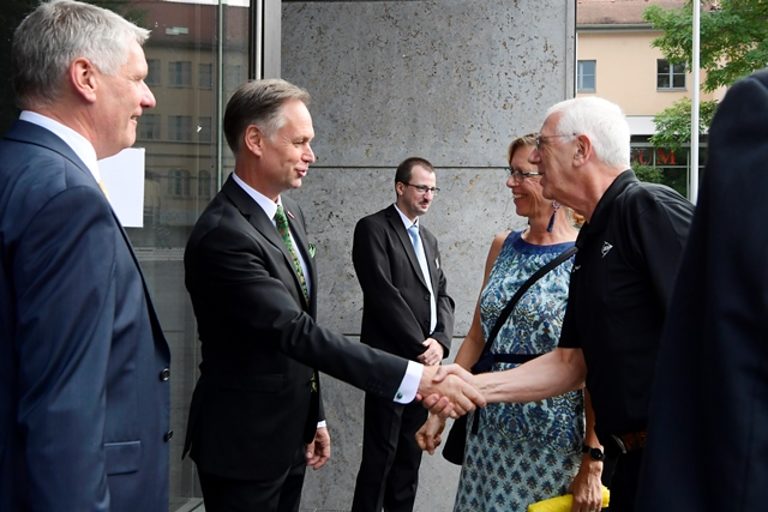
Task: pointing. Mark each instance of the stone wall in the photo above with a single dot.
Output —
(449, 80)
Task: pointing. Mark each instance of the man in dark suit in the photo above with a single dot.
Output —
(256, 419)
(84, 399)
(406, 311)
(708, 431)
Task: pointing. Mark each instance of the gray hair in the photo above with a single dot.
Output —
(259, 102)
(602, 121)
(60, 31)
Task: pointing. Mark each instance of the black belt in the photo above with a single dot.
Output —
(485, 364)
(488, 359)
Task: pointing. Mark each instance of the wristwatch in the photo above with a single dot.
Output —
(594, 453)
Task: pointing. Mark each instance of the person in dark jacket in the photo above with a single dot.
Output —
(708, 432)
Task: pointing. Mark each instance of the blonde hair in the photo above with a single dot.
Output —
(528, 139)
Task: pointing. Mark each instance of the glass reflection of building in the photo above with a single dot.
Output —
(198, 53)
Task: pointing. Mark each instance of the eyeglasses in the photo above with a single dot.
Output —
(423, 189)
(542, 139)
(518, 175)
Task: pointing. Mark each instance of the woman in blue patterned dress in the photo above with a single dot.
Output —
(523, 453)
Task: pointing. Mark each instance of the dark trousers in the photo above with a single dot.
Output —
(623, 485)
(389, 471)
(282, 494)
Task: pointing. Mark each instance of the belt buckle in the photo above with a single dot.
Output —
(620, 443)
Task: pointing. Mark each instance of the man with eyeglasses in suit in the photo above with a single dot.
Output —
(407, 312)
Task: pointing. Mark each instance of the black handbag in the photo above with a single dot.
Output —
(453, 450)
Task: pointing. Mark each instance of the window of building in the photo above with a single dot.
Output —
(180, 128)
(149, 127)
(180, 73)
(204, 184)
(154, 74)
(205, 76)
(233, 76)
(669, 75)
(585, 76)
(178, 183)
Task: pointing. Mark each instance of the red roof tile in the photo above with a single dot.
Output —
(618, 12)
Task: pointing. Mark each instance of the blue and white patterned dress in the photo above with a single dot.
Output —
(523, 453)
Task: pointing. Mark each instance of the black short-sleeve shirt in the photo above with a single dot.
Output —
(620, 289)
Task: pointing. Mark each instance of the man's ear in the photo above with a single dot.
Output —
(254, 139)
(583, 150)
(399, 188)
(83, 77)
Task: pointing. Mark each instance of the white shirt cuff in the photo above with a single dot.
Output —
(322, 424)
(410, 384)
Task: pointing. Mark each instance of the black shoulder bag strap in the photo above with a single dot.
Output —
(485, 362)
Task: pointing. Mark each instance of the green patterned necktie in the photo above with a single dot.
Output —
(281, 222)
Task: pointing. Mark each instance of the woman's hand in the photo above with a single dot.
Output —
(428, 436)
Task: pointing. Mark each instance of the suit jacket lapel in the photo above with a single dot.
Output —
(397, 226)
(253, 213)
(31, 133)
(263, 224)
(426, 241)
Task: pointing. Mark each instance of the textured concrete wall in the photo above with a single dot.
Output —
(449, 80)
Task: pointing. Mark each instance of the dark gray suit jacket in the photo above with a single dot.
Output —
(396, 308)
(253, 405)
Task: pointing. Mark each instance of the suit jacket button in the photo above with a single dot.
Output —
(165, 374)
(168, 435)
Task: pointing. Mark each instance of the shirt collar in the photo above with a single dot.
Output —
(603, 209)
(406, 221)
(269, 206)
(81, 146)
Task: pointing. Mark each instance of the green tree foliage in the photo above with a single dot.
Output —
(733, 44)
(734, 38)
(652, 174)
(647, 173)
(673, 124)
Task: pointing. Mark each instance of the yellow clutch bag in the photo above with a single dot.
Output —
(563, 503)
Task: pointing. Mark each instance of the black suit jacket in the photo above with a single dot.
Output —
(396, 308)
(253, 405)
(708, 433)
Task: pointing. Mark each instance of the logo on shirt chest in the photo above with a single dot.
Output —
(605, 249)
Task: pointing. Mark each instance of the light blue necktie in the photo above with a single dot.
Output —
(413, 231)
